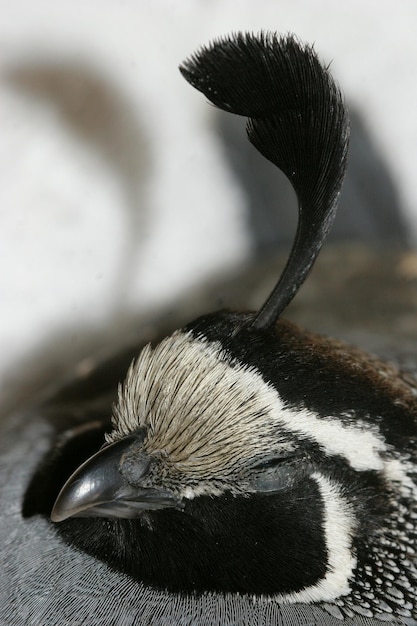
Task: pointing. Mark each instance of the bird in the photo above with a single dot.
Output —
(239, 469)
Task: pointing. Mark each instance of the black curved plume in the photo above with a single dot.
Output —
(297, 120)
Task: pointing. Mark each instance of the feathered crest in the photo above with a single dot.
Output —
(297, 120)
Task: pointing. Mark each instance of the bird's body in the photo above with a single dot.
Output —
(251, 472)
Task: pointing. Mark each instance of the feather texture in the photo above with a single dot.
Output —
(297, 120)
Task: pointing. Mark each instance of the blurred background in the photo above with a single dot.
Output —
(124, 193)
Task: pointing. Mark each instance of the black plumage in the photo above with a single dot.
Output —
(296, 119)
(250, 472)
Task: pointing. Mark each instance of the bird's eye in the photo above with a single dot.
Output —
(272, 462)
(273, 473)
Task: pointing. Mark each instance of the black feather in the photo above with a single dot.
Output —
(297, 120)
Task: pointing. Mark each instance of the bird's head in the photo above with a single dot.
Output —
(191, 420)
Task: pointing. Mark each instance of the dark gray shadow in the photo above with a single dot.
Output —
(94, 111)
(370, 209)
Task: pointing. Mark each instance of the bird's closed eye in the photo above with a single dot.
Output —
(275, 472)
(271, 462)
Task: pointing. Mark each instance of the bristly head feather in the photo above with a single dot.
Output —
(297, 120)
(205, 418)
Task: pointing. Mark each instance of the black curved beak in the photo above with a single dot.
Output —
(98, 488)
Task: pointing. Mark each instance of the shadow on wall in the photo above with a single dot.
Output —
(94, 111)
(370, 209)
